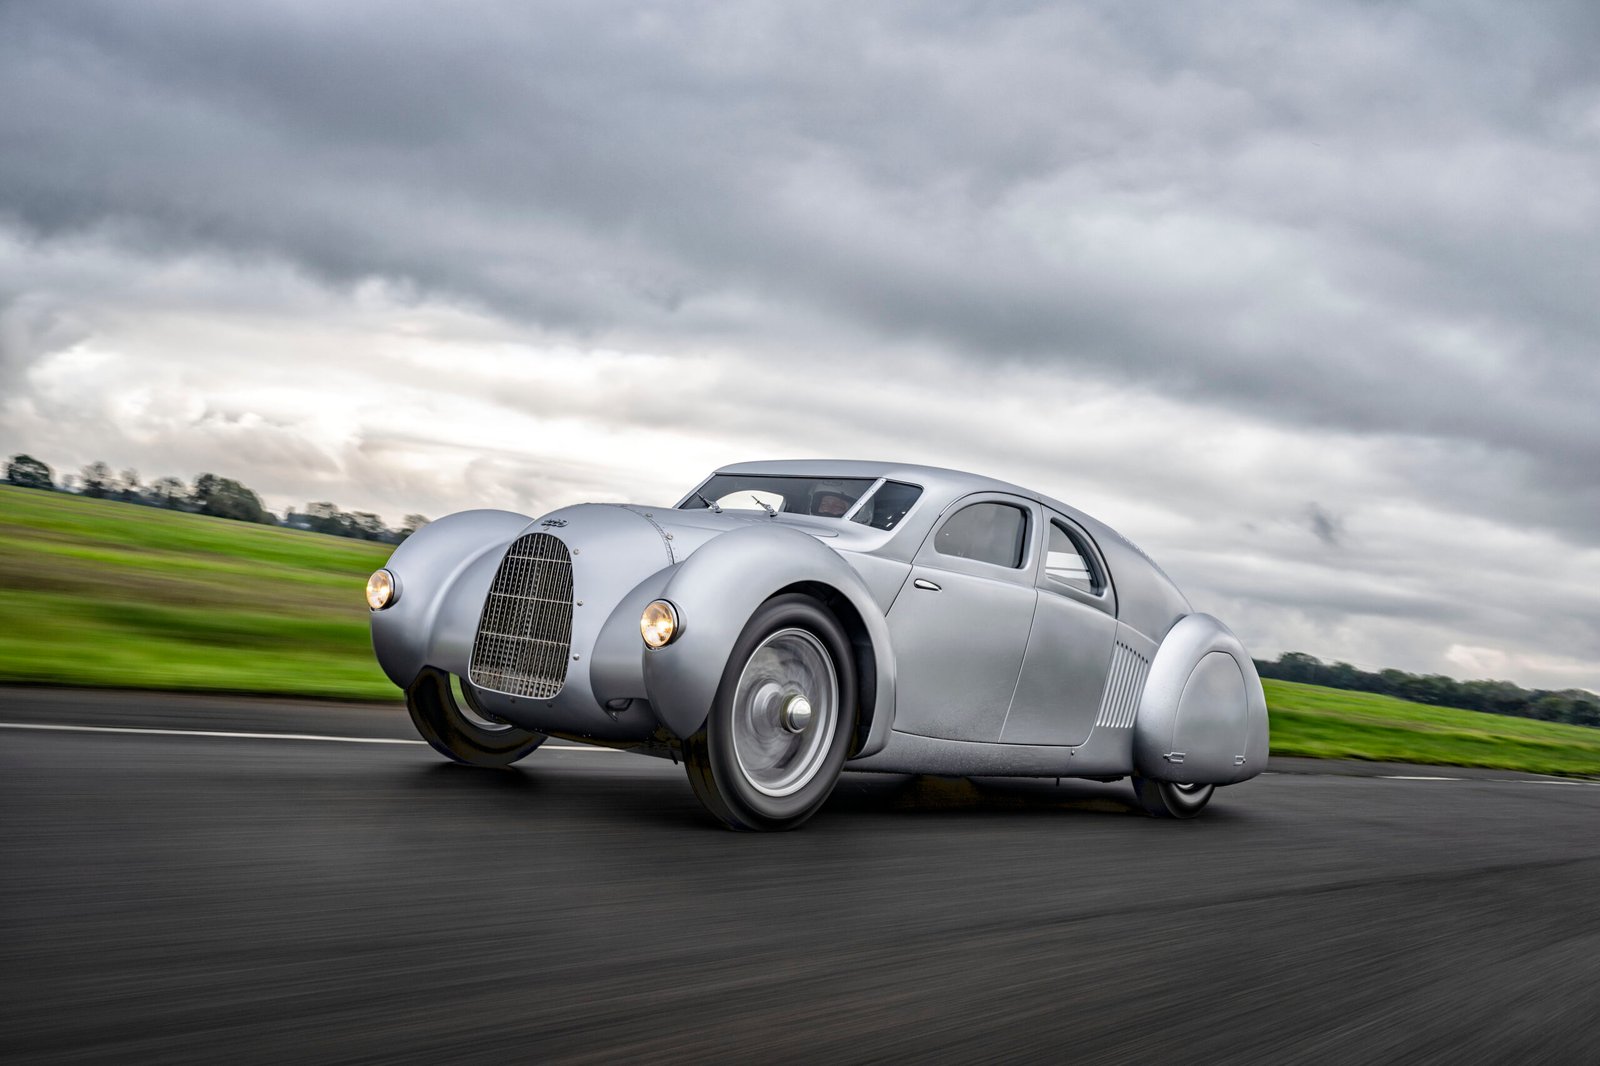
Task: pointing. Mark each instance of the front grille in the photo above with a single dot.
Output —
(525, 632)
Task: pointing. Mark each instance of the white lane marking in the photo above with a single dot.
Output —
(1405, 777)
(53, 728)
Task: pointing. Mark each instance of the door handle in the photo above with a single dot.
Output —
(924, 583)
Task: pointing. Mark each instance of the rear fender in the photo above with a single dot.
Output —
(1203, 717)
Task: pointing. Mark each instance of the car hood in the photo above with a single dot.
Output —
(687, 530)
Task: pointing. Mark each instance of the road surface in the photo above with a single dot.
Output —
(207, 879)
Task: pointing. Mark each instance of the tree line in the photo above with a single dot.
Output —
(1574, 706)
(208, 494)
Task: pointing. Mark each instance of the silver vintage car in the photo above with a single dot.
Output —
(789, 620)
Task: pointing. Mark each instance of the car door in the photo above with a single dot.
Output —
(960, 623)
(1070, 644)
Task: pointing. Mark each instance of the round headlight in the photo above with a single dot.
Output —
(659, 624)
(382, 590)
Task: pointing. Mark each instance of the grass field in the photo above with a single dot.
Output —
(94, 592)
(100, 593)
(1330, 723)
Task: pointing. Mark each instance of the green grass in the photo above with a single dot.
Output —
(94, 592)
(1329, 723)
(100, 593)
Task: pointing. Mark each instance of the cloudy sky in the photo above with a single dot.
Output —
(1304, 298)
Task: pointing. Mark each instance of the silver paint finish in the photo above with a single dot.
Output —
(991, 672)
(1063, 672)
(447, 567)
(718, 588)
(961, 643)
(1202, 718)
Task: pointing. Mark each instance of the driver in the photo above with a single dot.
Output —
(831, 501)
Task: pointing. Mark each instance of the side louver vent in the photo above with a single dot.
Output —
(1123, 688)
(525, 631)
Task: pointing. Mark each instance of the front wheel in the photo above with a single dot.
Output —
(466, 735)
(1167, 799)
(780, 727)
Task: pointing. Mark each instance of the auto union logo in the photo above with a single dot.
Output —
(548, 522)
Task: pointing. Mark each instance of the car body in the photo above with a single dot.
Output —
(814, 616)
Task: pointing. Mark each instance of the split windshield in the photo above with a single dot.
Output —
(818, 497)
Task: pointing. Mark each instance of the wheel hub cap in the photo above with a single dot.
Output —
(796, 714)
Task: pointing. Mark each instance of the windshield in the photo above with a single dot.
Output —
(819, 497)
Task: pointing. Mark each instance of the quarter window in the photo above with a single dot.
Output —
(988, 532)
(1070, 562)
(884, 508)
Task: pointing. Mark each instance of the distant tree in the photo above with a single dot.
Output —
(226, 498)
(167, 492)
(29, 473)
(364, 525)
(1551, 707)
(1298, 666)
(1342, 675)
(411, 524)
(325, 517)
(95, 480)
(128, 487)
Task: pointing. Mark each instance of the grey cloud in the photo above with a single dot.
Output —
(1327, 527)
(1307, 230)
(1369, 222)
(31, 326)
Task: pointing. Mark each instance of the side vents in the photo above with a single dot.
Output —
(1124, 685)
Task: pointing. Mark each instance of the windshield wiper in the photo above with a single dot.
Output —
(714, 508)
(765, 506)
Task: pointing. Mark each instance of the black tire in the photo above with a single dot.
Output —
(1164, 799)
(454, 735)
(787, 630)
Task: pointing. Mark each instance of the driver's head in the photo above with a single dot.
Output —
(830, 501)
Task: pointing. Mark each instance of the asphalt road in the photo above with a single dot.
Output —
(176, 897)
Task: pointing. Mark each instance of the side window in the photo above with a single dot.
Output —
(988, 532)
(885, 508)
(1070, 562)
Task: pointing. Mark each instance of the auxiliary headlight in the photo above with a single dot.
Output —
(659, 624)
(382, 589)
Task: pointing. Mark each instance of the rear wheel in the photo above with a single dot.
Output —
(464, 733)
(779, 729)
(1167, 799)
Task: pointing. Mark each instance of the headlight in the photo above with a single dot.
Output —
(659, 624)
(382, 590)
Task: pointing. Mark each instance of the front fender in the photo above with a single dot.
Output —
(719, 587)
(444, 570)
(1202, 717)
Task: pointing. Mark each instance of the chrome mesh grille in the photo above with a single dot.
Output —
(1124, 685)
(525, 632)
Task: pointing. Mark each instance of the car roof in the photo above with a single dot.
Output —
(947, 485)
(938, 481)
(933, 479)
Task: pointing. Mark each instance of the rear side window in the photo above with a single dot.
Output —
(1068, 560)
(988, 532)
